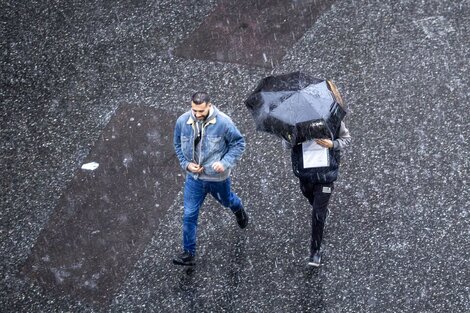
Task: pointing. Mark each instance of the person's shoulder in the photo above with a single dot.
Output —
(221, 115)
(184, 117)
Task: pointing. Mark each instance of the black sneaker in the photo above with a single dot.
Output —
(242, 218)
(315, 258)
(184, 258)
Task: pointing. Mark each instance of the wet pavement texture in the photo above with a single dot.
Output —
(397, 238)
(111, 208)
(251, 31)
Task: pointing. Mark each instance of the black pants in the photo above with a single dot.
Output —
(318, 196)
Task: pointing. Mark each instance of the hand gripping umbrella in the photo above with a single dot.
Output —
(296, 107)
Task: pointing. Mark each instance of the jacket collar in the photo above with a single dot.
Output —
(211, 119)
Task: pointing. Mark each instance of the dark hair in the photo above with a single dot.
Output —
(200, 97)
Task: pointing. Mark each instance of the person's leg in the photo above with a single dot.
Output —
(308, 190)
(321, 199)
(221, 191)
(194, 195)
(318, 197)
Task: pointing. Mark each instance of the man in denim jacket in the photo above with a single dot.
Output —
(207, 145)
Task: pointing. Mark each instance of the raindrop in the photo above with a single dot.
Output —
(127, 160)
(265, 57)
(90, 166)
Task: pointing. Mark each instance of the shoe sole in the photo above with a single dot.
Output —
(313, 264)
(183, 263)
(243, 226)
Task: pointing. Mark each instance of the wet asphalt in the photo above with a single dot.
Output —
(75, 74)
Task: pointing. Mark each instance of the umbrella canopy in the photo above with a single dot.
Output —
(296, 107)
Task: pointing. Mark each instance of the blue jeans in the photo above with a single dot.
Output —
(195, 192)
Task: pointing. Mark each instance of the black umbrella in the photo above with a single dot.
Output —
(296, 107)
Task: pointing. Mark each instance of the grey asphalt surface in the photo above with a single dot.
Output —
(398, 236)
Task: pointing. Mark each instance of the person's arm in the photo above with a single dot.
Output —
(344, 138)
(286, 145)
(177, 145)
(236, 147)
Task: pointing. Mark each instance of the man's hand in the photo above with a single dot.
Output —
(195, 168)
(218, 167)
(325, 143)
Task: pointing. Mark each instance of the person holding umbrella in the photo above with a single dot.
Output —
(317, 180)
(208, 145)
(307, 113)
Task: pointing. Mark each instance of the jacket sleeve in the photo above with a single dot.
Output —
(344, 138)
(236, 147)
(177, 144)
(286, 145)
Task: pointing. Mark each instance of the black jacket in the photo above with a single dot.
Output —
(322, 175)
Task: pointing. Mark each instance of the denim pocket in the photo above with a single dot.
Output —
(215, 143)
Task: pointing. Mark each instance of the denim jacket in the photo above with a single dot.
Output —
(220, 141)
